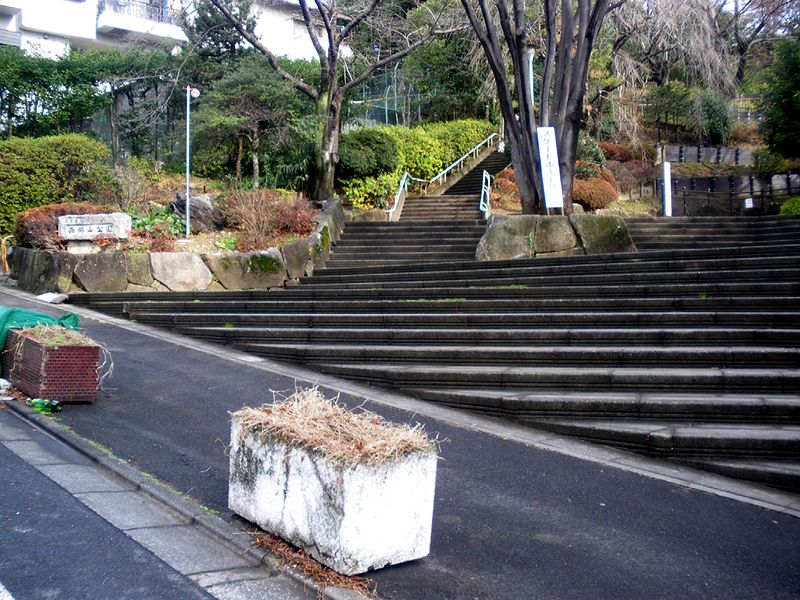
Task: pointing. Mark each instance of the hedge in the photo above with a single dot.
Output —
(47, 170)
(422, 151)
(366, 153)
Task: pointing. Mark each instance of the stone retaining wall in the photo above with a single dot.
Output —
(537, 236)
(39, 271)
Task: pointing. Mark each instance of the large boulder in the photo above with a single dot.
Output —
(105, 272)
(602, 234)
(180, 271)
(248, 270)
(38, 271)
(297, 256)
(139, 269)
(554, 234)
(507, 237)
(203, 215)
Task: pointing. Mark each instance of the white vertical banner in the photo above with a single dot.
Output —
(551, 174)
(667, 185)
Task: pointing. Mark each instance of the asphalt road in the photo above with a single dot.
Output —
(510, 521)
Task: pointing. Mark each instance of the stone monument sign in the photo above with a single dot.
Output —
(86, 227)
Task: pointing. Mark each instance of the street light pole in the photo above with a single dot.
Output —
(190, 93)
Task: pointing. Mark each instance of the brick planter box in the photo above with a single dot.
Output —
(63, 373)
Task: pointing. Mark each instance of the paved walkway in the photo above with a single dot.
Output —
(518, 514)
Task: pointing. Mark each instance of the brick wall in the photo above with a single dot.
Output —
(66, 373)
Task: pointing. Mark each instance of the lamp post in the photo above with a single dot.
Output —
(190, 93)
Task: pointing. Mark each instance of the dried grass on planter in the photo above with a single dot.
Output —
(308, 420)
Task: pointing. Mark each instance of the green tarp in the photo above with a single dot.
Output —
(15, 318)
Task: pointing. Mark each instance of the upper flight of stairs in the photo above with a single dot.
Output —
(470, 183)
(688, 354)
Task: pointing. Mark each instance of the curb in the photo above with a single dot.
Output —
(194, 513)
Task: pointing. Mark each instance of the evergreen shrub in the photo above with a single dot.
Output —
(53, 169)
(422, 151)
(366, 153)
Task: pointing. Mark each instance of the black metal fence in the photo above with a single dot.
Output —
(708, 154)
(729, 196)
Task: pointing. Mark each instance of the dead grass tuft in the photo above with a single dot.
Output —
(55, 335)
(309, 420)
(323, 576)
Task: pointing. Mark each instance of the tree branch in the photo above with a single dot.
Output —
(301, 85)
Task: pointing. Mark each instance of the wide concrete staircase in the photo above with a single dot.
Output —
(687, 354)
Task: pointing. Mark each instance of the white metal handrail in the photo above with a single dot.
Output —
(458, 163)
(403, 187)
(399, 195)
(486, 195)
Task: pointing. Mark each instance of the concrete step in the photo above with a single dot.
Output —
(587, 355)
(530, 268)
(778, 472)
(681, 439)
(283, 302)
(477, 338)
(530, 405)
(479, 320)
(703, 278)
(642, 379)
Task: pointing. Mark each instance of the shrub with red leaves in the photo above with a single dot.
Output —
(618, 152)
(594, 193)
(38, 227)
(265, 218)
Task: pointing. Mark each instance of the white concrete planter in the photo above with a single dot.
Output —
(350, 518)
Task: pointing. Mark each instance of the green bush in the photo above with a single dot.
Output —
(791, 206)
(422, 151)
(767, 163)
(589, 151)
(53, 169)
(714, 118)
(366, 153)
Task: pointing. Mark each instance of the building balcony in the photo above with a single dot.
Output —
(150, 19)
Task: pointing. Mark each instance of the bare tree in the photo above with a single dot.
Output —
(570, 30)
(749, 22)
(340, 23)
(663, 34)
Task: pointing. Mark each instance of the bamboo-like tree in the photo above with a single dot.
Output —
(341, 24)
(570, 30)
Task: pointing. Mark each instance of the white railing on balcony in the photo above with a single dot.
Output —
(150, 10)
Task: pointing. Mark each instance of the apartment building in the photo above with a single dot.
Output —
(51, 27)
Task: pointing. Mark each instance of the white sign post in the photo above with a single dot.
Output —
(551, 174)
(667, 189)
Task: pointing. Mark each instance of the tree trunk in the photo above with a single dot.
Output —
(326, 148)
(255, 142)
(114, 122)
(239, 154)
